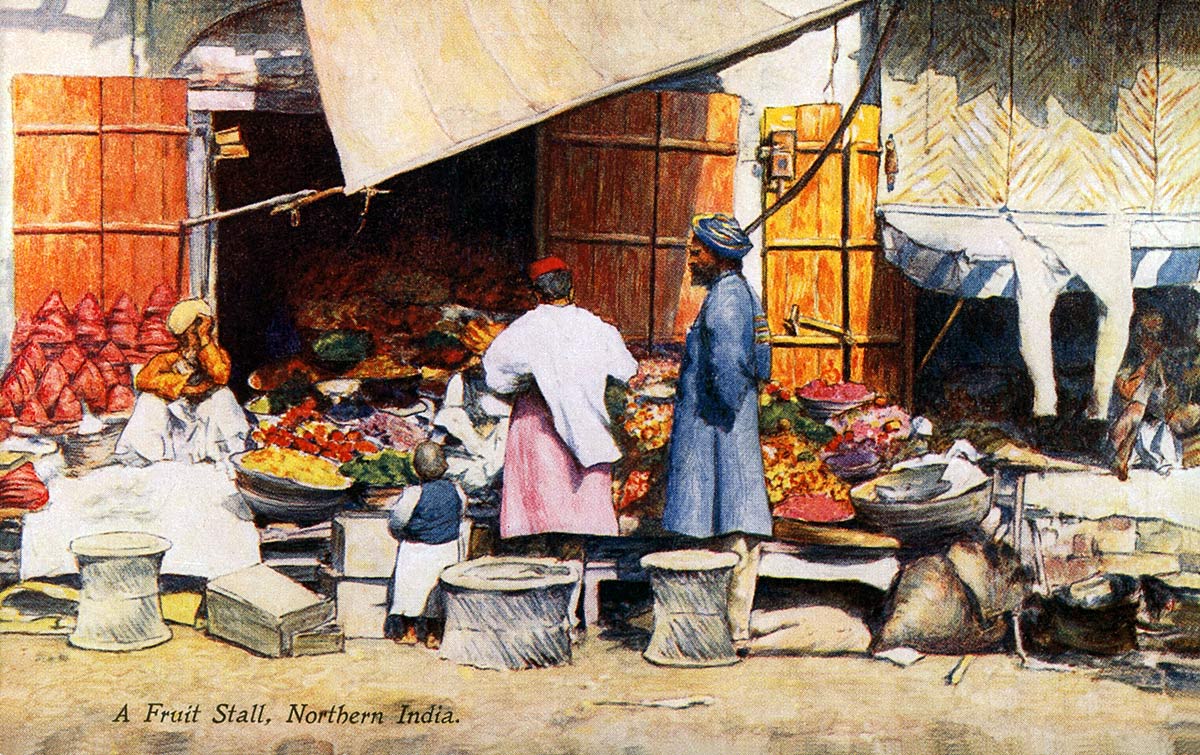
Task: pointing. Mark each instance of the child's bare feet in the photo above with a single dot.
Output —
(409, 637)
(432, 642)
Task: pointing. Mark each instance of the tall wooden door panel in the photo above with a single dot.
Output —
(823, 262)
(802, 264)
(143, 141)
(56, 188)
(619, 181)
(99, 186)
(697, 160)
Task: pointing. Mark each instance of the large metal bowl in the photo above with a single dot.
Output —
(922, 523)
(287, 500)
(823, 409)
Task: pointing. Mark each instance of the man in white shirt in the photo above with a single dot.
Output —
(557, 359)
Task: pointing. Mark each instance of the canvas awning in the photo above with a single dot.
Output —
(407, 82)
(969, 253)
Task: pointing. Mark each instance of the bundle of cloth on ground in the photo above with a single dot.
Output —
(195, 506)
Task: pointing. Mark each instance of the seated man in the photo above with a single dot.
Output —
(1146, 397)
(476, 423)
(185, 411)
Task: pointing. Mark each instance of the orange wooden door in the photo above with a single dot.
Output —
(802, 262)
(144, 152)
(100, 172)
(821, 256)
(618, 183)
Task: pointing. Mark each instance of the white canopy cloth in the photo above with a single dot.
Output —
(1035, 256)
(407, 82)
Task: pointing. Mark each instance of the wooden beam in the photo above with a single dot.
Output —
(937, 340)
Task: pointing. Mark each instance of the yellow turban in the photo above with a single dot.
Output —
(185, 313)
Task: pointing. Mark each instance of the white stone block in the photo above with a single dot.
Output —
(362, 607)
(362, 546)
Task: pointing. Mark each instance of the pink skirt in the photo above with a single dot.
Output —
(545, 488)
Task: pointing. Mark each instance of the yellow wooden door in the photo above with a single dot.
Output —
(822, 261)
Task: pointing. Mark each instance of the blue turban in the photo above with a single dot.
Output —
(722, 234)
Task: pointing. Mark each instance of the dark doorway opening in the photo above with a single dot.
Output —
(465, 214)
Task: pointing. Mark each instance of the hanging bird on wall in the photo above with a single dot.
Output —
(891, 162)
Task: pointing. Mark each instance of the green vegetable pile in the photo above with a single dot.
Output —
(342, 346)
(788, 416)
(387, 468)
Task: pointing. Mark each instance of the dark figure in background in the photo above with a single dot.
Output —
(1141, 433)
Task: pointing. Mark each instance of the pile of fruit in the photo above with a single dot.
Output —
(399, 295)
(793, 467)
(821, 390)
(642, 414)
(301, 428)
(294, 465)
(395, 432)
(633, 489)
(648, 424)
(880, 429)
(779, 410)
(655, 370)
(64, 361)
(814, 508)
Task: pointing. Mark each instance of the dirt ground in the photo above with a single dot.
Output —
(55, 699)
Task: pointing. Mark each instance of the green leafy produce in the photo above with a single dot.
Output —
(290, 393)
(387, 468)
(614, 401)
(438, 339)
(779, 416)
(342, 346)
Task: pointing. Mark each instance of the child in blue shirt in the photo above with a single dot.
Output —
(427, 519)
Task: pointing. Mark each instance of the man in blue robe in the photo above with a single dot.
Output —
(715, 485)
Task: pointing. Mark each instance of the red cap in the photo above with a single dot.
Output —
(538, 268)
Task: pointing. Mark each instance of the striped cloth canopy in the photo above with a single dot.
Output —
(965, 253)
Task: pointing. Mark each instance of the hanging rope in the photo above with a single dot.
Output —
(830, 92)
(836, 139)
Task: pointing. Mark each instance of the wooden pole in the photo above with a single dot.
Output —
(937, 340)
(263, 205)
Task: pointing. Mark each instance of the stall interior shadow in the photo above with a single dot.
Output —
(976, 384)
(459, 231)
